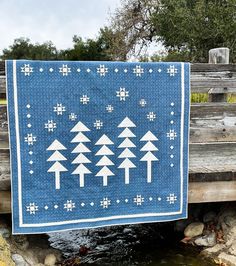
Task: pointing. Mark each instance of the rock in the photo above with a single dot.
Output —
(209, 217)
(4, 232)
(19, 260)
(21, 242)
(127, 230)
(232, 249)
(229, 260)
(206, 241)
(194, 229)
(5, 254)
(50, 260)
(212, 250)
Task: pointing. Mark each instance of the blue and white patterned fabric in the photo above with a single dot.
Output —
(97, 143)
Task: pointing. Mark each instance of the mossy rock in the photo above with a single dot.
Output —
(5, 254)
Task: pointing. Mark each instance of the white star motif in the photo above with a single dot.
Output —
(98, 124)
(50, 126)
(32, 208)
(72, 116)
(122, 94)
(59, 109)
(151, 116)
(143, 102)
(69, 205)
(109, 108)
(105, 203)
(171, 135)
(30, 139)
(27, 69)
(138, 200)
(84, 99)
(102, 70)
(172, 70)
(138, 71)
(171, 198)
(64, 70)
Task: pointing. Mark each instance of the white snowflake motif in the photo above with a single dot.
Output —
(138, 200)
(172, 70)
(27, 69)
(32, 208)
(143, 102)
(69, 205)
(59, 109)
(171, 198)
(105, 203)
(98, 124)
(72, 117)
(138, 71)
(151, 116)
(171, 135)
(64, 70)
(30, 139)
(122, 94)
(50, 125)
(110, 108)
(102, 70)
(84, 99)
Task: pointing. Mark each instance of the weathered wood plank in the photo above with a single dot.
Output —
(204, 77)
(206, 159)
(209, 122)
(5, 202)
(212, 191)
(197, 192)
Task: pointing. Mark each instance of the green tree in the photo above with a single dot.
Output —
(22, 48)
(186, 28)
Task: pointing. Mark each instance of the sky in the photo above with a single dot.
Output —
(55, 20)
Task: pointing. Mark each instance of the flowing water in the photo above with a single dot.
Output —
(148, 244)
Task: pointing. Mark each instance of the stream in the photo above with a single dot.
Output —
(147, 244)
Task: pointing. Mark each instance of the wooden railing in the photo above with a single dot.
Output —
(212, 166)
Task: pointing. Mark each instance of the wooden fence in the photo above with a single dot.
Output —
(212, 167)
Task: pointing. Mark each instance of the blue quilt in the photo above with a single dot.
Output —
(97, 143)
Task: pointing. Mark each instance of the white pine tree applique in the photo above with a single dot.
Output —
(126, 144)
(56, 157)
(149, 157)
(104, 151)
(80, 159)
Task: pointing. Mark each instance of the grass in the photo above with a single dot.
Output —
(3, 101)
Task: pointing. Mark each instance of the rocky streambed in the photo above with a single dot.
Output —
(209, 232)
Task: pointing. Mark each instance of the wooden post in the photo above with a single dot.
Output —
(218, 56)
